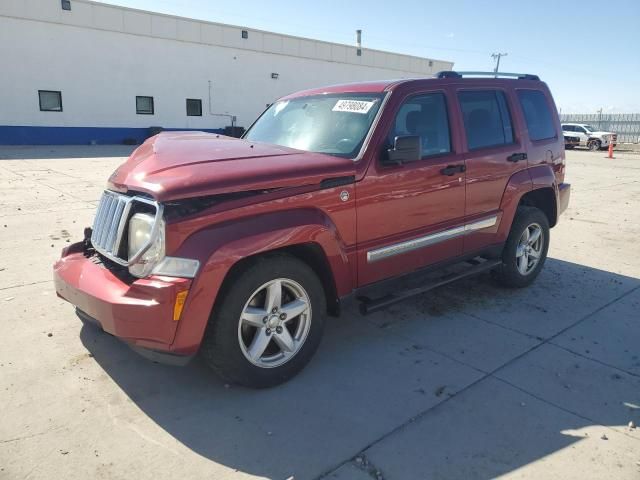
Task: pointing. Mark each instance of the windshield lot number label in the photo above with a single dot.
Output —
(353, 106)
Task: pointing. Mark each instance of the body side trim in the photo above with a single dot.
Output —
(431, 239)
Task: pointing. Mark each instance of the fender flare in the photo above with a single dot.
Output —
(220, 247)
(525, 181)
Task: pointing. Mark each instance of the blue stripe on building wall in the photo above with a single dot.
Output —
(25, 135)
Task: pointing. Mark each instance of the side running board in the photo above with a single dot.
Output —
(475, 266)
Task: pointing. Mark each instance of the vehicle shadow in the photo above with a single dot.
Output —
(365, 382)
(63, 152)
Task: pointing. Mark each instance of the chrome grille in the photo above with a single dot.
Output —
(110, 223)
(106, 225)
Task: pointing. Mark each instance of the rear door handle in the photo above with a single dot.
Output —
(450, 170)
(516, 157)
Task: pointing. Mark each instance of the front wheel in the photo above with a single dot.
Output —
(268, 323)
(526, 249)
(594, 145)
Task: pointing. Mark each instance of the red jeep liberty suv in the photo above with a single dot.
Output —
(239, 248)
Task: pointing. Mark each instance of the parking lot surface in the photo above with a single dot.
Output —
(468, 381)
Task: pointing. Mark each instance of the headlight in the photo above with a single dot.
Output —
(140, 240)
(153, 259)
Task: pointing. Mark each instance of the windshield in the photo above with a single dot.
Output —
(332, 124)
(590, 128)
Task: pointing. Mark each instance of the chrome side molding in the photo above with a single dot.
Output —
(431, 239)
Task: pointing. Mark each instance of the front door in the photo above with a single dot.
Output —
(412, 215)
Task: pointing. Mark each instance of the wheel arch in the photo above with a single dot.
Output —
(544, 199)
(310, 253)
(307, 234)
(536, 187)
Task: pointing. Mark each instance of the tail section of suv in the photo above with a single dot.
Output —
(239, 248)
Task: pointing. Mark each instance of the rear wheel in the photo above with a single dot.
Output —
(268, 324)
(526, 249)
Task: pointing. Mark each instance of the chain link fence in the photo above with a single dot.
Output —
(626, 125)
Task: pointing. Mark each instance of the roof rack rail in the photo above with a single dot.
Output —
(452, 74)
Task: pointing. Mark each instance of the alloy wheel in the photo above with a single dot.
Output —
(529, 249)
(274, 323)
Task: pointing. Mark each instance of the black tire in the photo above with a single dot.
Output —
(508, 273)
(594, 145)
(221, 344)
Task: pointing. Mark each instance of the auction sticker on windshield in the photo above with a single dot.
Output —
(353, 106)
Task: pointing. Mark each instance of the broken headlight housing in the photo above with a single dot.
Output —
(147, 247)
(141, 236)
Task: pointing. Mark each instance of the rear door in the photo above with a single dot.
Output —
(494, 151)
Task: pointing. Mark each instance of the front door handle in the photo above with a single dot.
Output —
(516, 157)
(450, 170)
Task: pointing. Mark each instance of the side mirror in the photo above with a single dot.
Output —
(405, 149)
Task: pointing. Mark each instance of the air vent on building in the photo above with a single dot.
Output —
(275, 76)
(66, 4)
(431, 63)
(245, 34)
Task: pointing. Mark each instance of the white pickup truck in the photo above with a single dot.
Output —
(588, 136)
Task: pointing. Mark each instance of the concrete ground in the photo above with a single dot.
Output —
(469, 381)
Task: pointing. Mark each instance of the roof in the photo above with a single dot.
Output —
(381, 86)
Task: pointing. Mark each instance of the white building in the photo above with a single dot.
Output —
(76, 71)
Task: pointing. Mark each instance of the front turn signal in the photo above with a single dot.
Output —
(181, 298)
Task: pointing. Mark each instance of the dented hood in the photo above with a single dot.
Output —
(174, 165)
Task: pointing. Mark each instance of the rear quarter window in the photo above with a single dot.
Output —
(537, 114)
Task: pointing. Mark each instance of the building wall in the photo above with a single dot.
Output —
(100, 57)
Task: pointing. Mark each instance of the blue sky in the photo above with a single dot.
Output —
(588, 61)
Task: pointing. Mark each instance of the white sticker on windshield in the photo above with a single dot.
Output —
(353, 106)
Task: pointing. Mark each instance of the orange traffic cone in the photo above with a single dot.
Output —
(610, 149)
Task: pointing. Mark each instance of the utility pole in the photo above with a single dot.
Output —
(496, 57)
(600, 119)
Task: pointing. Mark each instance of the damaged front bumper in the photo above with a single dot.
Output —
(139, 311)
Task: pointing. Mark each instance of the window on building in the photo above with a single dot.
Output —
(426, 116)
(194, 107)
(144, 105)
(487, 121)
(537, 114)
(245, 34)
(50, 100)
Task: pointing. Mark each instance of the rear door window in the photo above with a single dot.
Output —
(425, 116)
(487, 121)
(537, 114)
